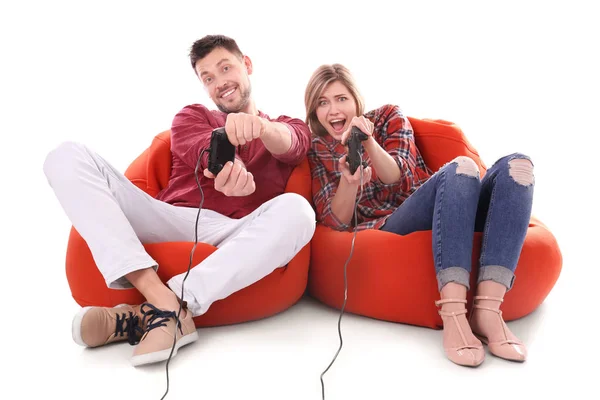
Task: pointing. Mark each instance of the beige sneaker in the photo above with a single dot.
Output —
(157, 342)
(97, 326)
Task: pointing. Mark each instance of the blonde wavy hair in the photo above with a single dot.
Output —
(320, 79)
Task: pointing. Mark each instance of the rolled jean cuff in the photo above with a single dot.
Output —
(497, 274)
(453, 274)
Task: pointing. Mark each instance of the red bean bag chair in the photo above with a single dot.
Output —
(274, 293)
(392, 277)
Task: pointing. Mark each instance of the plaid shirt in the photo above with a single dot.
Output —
(394, 133)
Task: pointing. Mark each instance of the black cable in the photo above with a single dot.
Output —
(190, 266)
(345, 280)
(188, 270)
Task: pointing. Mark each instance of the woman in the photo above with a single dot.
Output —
(402, 195)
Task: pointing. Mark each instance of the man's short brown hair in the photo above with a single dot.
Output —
(208, 43)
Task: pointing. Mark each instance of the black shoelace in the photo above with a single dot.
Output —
(129, 325)
(157, 318)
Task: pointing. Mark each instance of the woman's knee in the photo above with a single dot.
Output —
(465, 166)
(520, 169)
(460, 175)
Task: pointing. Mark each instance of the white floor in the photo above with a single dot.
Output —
(520, 76)
(282, 357)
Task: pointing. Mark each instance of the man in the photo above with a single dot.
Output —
(242, 212)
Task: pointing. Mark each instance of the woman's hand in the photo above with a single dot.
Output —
(361, 123)
(354, 179)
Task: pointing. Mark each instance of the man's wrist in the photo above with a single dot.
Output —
(266, 128)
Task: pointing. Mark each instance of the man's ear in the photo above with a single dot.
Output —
(248, 64)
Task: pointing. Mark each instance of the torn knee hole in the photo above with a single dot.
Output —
(521, 170)
(466, 166)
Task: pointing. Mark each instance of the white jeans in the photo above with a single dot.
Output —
(115, 217)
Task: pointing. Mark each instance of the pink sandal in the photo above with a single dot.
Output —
(509, 349)
(469, 355)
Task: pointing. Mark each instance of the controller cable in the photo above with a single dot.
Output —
(188, 269)
(190, 265)
(346, 277)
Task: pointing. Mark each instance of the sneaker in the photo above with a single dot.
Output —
(157, 341)
(97, 326)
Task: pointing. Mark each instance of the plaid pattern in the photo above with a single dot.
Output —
(379, 200)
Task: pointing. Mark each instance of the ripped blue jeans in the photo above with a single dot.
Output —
(454, 203)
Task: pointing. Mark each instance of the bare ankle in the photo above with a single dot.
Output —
(453, 290)
(153, 289)
(491, 289)
(144, 279)
(162, 297)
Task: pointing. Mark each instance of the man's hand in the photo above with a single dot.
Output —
(354, 179)
(233, 180)
(242, 128)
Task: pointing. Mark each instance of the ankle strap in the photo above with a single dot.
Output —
(452, 313)
(497, 311)
(500, 299)
(444, 301)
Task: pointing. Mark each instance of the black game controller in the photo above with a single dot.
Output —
(355, 149)
(220, 152)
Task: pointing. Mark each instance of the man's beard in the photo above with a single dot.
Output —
(244, 99)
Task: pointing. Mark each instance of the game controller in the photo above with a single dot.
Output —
(220, 152)
(355, 149)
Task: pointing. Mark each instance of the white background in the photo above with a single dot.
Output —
(516, 76)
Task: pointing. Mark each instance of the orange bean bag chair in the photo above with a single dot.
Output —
(392, 277)
(274, 293)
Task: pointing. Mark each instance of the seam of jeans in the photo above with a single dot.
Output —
(487, 221)
(441, 189)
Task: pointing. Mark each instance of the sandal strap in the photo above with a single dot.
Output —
(500, 299)
(468, 346)
(508, 341)
(497, 311)
(445, 301)
(452, 313)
